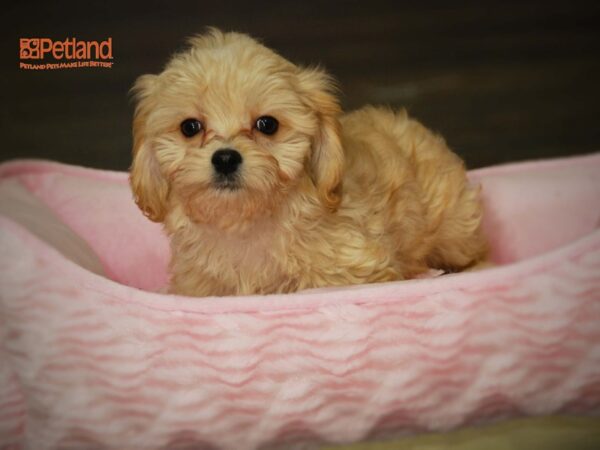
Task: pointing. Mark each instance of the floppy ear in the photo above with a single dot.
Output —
(149, 186)
(327, 157)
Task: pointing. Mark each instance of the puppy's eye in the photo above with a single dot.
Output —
(191, 127)
(267, 125)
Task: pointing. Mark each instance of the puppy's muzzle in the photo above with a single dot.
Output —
(226, 161)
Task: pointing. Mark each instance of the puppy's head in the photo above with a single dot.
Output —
(229, 128)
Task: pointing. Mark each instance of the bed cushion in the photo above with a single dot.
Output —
(101, 359)
(22, 207)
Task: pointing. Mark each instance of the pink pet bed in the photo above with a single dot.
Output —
(94, 357)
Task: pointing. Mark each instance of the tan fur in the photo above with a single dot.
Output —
(330, 199)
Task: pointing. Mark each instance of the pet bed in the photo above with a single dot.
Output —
(92, 356)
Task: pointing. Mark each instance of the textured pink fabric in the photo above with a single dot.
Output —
(91, 362)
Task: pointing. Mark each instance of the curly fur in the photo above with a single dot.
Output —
(330, 199)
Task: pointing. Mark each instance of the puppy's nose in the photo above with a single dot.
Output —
(226, 160)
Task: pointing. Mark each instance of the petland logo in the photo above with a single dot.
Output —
(68, 54)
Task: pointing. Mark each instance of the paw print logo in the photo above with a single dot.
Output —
(29, 48)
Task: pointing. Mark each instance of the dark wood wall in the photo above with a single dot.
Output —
(501, 80)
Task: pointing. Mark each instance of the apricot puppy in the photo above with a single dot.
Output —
(264, 186)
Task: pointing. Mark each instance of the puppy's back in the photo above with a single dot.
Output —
(394, 158)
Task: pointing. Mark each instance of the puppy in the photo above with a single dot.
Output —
(264, 186)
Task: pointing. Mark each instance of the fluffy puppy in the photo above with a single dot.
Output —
(264, 186)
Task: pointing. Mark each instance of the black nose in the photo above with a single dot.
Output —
(226, 161)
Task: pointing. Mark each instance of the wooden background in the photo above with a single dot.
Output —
(501, 80)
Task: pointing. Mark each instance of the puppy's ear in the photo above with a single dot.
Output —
(327, 158)
(149, 186)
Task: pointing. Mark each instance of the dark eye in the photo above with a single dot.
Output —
(267, 125)
(191, 127)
